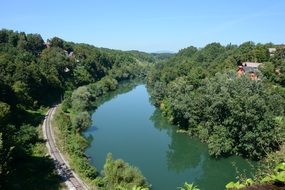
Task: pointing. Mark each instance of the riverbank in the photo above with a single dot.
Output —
(131, 128)
(69, 123)
(74, 155)
(71, 179)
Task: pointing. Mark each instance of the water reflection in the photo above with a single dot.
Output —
(124, 87)
(134, 130)
(189, 157)
(183, 152)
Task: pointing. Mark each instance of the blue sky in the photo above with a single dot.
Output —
(148, 25)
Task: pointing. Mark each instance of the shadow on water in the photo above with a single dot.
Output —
(181, 151)
(190, 158)
(124, 87)
(166, 158)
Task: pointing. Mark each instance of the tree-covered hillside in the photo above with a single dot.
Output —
(197, 89)
(200, 91)
(34, 75)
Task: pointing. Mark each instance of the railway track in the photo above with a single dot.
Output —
(71, 179)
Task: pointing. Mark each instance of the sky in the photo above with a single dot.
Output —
(148, 25)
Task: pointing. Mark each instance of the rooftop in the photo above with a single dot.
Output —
(251, 64)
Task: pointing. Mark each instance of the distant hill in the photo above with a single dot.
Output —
(162, 56)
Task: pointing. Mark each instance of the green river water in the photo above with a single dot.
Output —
(132, 129)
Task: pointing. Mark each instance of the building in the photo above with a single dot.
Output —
(250, 68)
(272, 51)
(240, 71)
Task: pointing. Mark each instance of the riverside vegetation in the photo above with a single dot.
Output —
(197, 89)
(33, 76)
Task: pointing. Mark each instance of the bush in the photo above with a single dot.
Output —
(81, 121)
(80, 99)
(234, 115)
(118, 173)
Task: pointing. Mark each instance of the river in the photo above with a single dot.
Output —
(132, 129)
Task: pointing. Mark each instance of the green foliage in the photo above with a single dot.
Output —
(1, 149)
(233, 185)
(72, 117)
(80, 99)
(81, 121)
(117, 173)
(33, 75)
(139, 188)
(189, 186)
(35, 43)
(4, 36)
(280, 167)
(235, 112)
(220, 142)
(275, 71)
(233, 115)
(277, 177)
(82, 76)
(1, 143)
(239, 185)
(73, 143)
(30, 42)
(21, 92)
(4, 111)
(66, 103)
(56, 42)
(27, 136)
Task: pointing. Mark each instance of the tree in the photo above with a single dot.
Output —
(220, 143)
(246, 50)
(261, 53)
(33, 76)
(35, 43)
(4, 36)
(82, 76)
(187, 52)
(22, 42)
(268, 71)
(56, 42)
(233, 115)
(21, 91)
(26, 137)
(4, 111)
(80, 99)
(240, 114)
(13, 39)
(81, 121)
(117, 173)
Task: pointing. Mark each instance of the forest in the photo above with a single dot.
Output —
(35, 75)
(197, 89)
(200, 91)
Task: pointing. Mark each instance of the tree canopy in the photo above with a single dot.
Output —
(35, 74)
(200, 91)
